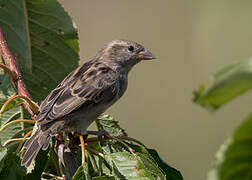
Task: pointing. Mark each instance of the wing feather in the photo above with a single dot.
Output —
(82, 85)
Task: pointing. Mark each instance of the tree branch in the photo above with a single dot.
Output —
(11, 66)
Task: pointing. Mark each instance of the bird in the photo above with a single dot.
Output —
(86, 93)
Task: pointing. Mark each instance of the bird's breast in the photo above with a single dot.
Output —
(123, 84)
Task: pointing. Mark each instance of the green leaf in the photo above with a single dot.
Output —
(12, 112)
(6, 91)
(170, 172)
(228, 83)
(130, 167)
(41, 34)
(122, 164)
(107, 123)
(104, 178)
(11, 130)
(234, 159)
(152, 165)
(81, 174)
(3, 153)
(11, 169)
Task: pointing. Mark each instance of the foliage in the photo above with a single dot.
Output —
(228, 83)
(44, 40)
(42, 36)
(233, 160)
(119, 163)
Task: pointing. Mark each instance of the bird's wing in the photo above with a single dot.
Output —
(88, 84)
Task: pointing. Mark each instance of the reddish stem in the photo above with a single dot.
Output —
(10, 62)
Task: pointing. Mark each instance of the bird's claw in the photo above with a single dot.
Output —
(100, 134)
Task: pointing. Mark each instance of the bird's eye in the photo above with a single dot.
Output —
(131, 48)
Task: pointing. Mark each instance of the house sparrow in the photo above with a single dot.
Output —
(85, 94)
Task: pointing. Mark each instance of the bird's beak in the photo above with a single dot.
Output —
(146, 55)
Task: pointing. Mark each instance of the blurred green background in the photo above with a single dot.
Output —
(192, 39)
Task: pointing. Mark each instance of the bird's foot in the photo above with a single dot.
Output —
(74, 140)
(100, 134)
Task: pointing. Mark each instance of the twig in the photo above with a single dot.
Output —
(16, 121)
(95, 152)
(17, 139)
(123, 143)
(21, 143)
(130, 139)
(17, 80)
(12, 140)
(21, 131)
(7, 70)
(33, 106)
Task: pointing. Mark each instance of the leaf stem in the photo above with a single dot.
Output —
(16, 121)
(52, 175)
(123, 143)
(21, 131)
(34, 107)
(12, 140)
(21, 143)
(95, 152)
(131, 139)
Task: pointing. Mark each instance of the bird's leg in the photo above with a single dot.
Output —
(100, 134)
(82, 150)
(76, 141)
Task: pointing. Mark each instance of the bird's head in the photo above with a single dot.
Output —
(125, 53)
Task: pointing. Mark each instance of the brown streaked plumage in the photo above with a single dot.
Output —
(85, 94)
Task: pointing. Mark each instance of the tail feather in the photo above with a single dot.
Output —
(33, 145)
(30, 153)
(47, 143)
(40, 139)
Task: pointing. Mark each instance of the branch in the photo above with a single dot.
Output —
(12, 68)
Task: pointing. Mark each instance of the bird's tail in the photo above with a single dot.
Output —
(39, 140)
